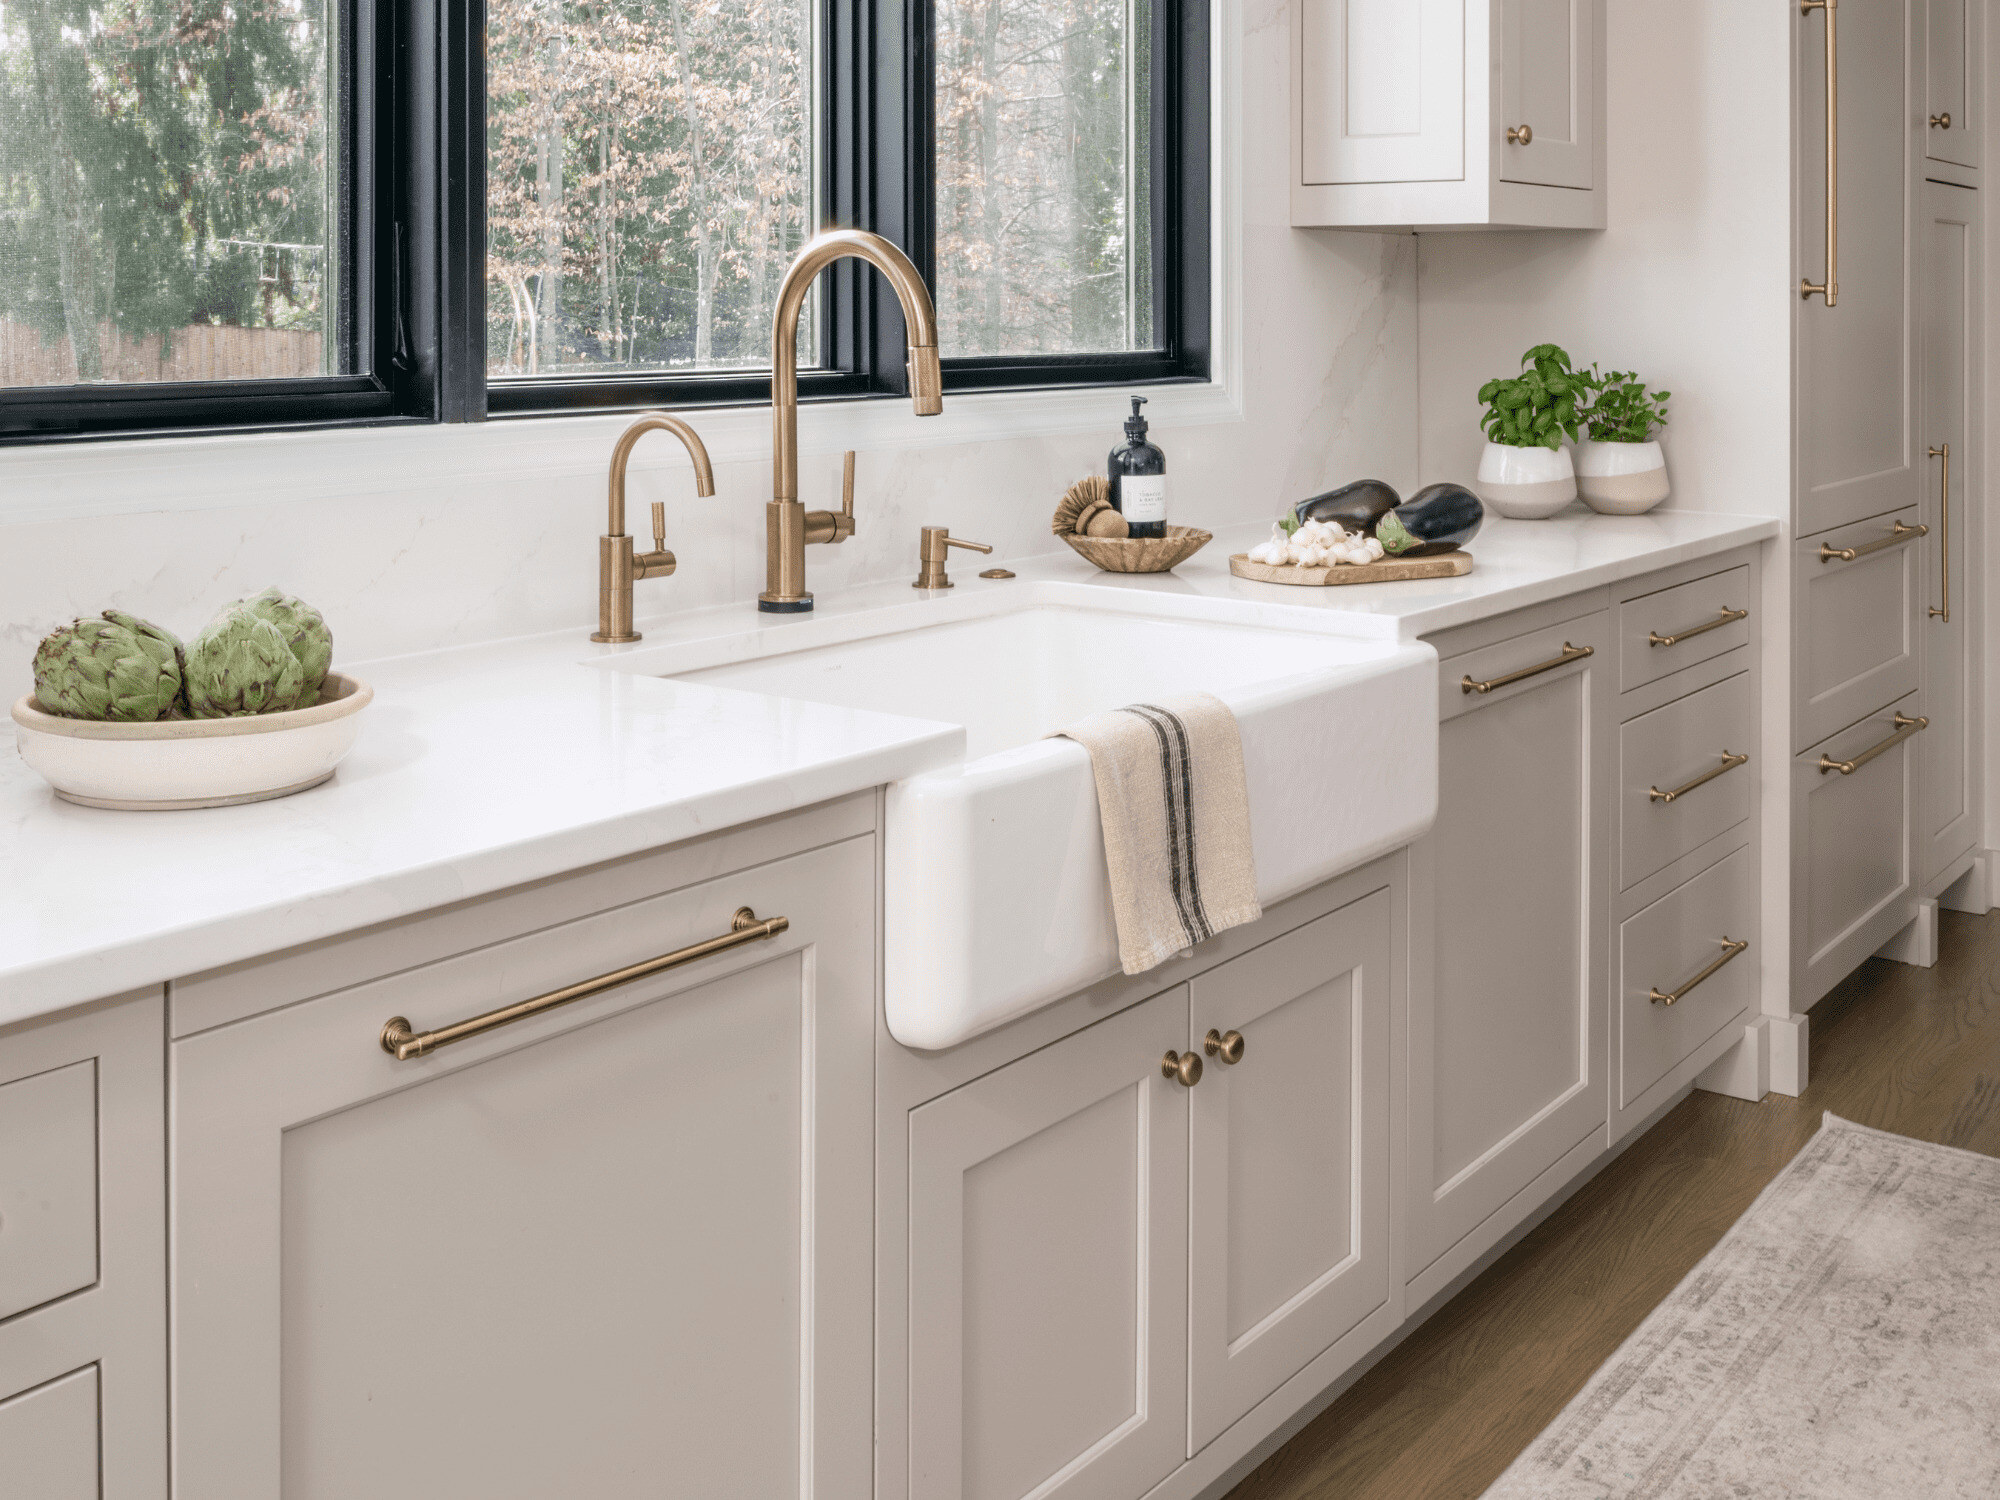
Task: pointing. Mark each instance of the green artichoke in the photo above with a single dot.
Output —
(114, 667)
(241, 664)
(305, 632)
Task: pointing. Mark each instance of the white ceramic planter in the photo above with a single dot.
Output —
(180, 763)
(1621, 479)
(1527, 484)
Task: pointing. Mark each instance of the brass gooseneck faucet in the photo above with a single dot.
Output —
(788, 525)
(617, 567)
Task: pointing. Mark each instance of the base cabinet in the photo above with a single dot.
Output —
(1506, 1026)
(83, 1336)
(1048, 1270)
(619, 1248)
(1289, 1225)
(1109, 1265)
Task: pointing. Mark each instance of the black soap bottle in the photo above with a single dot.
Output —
(1138, 474)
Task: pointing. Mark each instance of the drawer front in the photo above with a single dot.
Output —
(1680, 782)
(1524, 664)
(48, 1186)
(1677, 627)
(1857, 623)
(49, 1440)
(1665, 950)
(1851, 882)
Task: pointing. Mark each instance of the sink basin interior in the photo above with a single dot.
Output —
(1011, 679)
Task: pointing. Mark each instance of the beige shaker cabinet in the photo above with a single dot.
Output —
(1951, 97)
(1949, 773)
(1448, 114)
(1289, 1207)
(1510, 893)
(83, 1336)
(1048, 1307)
(619, 1248)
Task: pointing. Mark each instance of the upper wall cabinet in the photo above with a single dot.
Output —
(1448, 114)
(1951, 94)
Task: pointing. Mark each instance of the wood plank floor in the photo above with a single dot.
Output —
(1916, 1051)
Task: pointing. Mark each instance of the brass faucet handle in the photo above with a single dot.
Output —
(931, 573)
(659, 525)
(835, 525)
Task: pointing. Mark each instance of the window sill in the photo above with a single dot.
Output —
(196, 472)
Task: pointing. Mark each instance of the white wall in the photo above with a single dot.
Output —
(411, 540)
(1691, 286)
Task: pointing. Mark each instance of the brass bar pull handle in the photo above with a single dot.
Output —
(1830, 288)
(1569, 654)
(1227, 1045)
(1730, 948)
(1895, 538)
(1943, 611)
(1727, 617)
(403, 1043)
(1905, 727)
(1729, 763)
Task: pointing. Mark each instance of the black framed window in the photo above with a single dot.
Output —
(226, 213)
(655, 164)
(223, 214)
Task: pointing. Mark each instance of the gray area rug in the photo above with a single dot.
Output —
(1843, 1340)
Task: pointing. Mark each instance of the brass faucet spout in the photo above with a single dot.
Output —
(618, 568)
(788, 527)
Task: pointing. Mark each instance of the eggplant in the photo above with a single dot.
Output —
(1355, 507)
(1438, 518)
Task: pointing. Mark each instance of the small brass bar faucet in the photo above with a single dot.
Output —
(617, 567)
(788, 525)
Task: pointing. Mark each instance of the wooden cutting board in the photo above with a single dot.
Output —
(1388, 570)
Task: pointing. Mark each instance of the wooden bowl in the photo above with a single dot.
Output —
(179, 763)
(1152, 554)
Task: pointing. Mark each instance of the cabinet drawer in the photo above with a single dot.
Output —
(1679, 777)
(1666, 949)
(1856, 620)
(49, 1440)
(1677, 627)
(48, 1186)
(1852, 886)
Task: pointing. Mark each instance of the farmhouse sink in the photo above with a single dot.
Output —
(997, 895)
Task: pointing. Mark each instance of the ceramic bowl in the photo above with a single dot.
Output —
(1526, 484)
(1621, 479)
(179, 763)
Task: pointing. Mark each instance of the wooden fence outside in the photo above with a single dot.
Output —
(204, 351)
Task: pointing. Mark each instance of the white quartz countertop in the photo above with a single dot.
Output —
(483, 768)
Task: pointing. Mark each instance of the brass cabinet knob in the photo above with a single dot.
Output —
(1227, 1045)
(1183, 1067)
(1520, 135)
(1941, 122)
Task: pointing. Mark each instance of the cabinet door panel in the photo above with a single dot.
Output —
(1858, 645)
(1289, 1214)
(1951, 100)
(609, 1251)
(1505, 1038)
(49, 1439)
(1381, 90)
(1048, 1285)
(1546, 52)
(1853, 889)
(1856, 396)
(1947, 754)
(48, 1186)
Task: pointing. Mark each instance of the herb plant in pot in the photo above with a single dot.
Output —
(1525, 471)
(1619, 466)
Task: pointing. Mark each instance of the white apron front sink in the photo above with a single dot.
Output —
(998, 900)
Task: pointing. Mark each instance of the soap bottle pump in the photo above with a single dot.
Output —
(1138, 474)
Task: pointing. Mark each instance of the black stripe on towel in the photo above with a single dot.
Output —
(1177, 773)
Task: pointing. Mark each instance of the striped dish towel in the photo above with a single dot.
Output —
(1176, 815)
